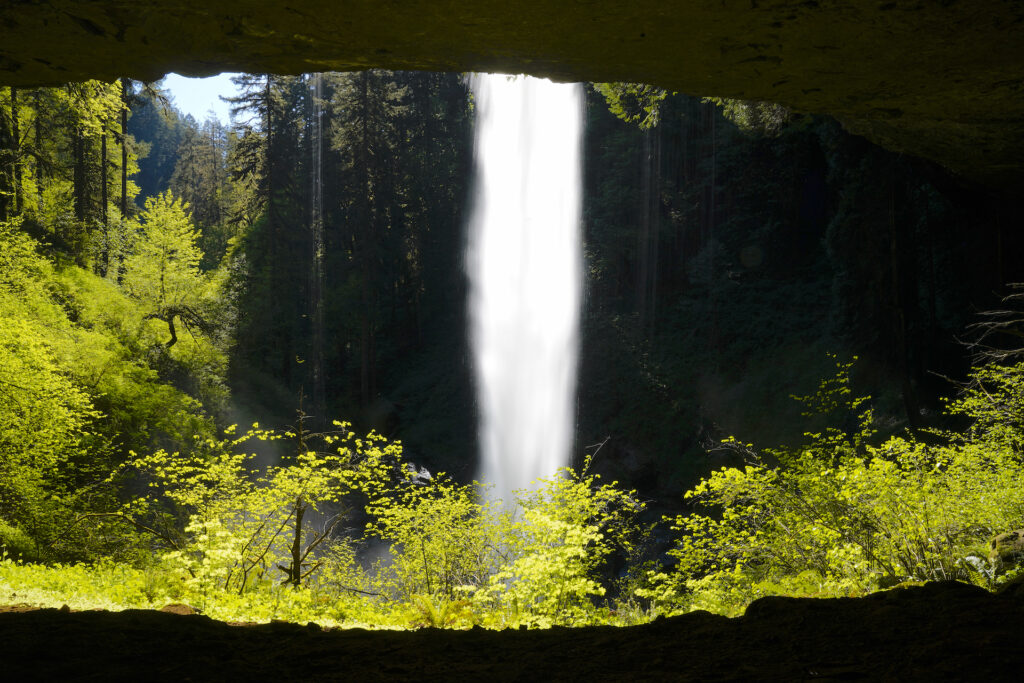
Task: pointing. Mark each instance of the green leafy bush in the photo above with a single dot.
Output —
(235, 535)
(556, 551)
(245, 526)
(442, 538)
(838, 516)
(77, 392)
(46, 418)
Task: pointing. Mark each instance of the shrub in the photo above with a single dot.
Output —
(838, 516)
(247, 527)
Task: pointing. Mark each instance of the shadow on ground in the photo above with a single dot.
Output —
(935, 632)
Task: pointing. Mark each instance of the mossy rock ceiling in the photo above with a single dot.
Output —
(941, 79)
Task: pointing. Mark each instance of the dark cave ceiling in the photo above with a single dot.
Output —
(940, 79)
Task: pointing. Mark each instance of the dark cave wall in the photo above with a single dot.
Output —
(944, 81)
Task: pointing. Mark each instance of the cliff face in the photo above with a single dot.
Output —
(941, 80)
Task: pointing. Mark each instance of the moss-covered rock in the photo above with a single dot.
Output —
(14, 542)
(1006, 550)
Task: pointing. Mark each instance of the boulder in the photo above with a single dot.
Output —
(1006, 550)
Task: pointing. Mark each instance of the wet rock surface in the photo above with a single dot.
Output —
(936, 632)
(941, 80)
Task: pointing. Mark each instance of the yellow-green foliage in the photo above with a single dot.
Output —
(424, 611)
(75, 392)
(555, 549)
(753, 117)
(546, 582)
(455, 553)
(637, 103)
(117, 586)
(104, 585)
(995, 405)
(441, 536)
(838, 516)
(163, 270)
(162, 276)
(246, 525)
(235, 540)
(110, 345)
(44, 414)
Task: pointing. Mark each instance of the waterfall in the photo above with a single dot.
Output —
(524, 264)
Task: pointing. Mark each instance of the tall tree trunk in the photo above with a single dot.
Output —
(643, 237)
(124, 148)
(367, 373)
(903, 253)
(38, 130)
(316, 221)
(715, 335)
(647, 246)
(1000, 278)
(16, 151)
(268, 101)
(105, 254)
(6, 174)
(217, 175)
(80, 175)
(295, 570)
(277, 273)
(654, 209)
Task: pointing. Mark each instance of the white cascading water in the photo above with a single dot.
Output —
(524, 261)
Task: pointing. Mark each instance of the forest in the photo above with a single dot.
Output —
(235, 374)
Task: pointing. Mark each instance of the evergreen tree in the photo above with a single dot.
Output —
(368, 108)
(201, 179)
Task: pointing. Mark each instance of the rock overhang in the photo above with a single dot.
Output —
(940, 79)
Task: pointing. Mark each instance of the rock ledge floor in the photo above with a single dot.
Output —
(935, 632)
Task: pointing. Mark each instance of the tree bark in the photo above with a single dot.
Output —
(104, 263)
(38, 130)
(16, 151)
(124, 148)
(316, 221)
(296, 569)
(6, 175)
(903, 251)
(79, 174)
(367, 374)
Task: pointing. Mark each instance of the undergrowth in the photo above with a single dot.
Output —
(839, 515)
